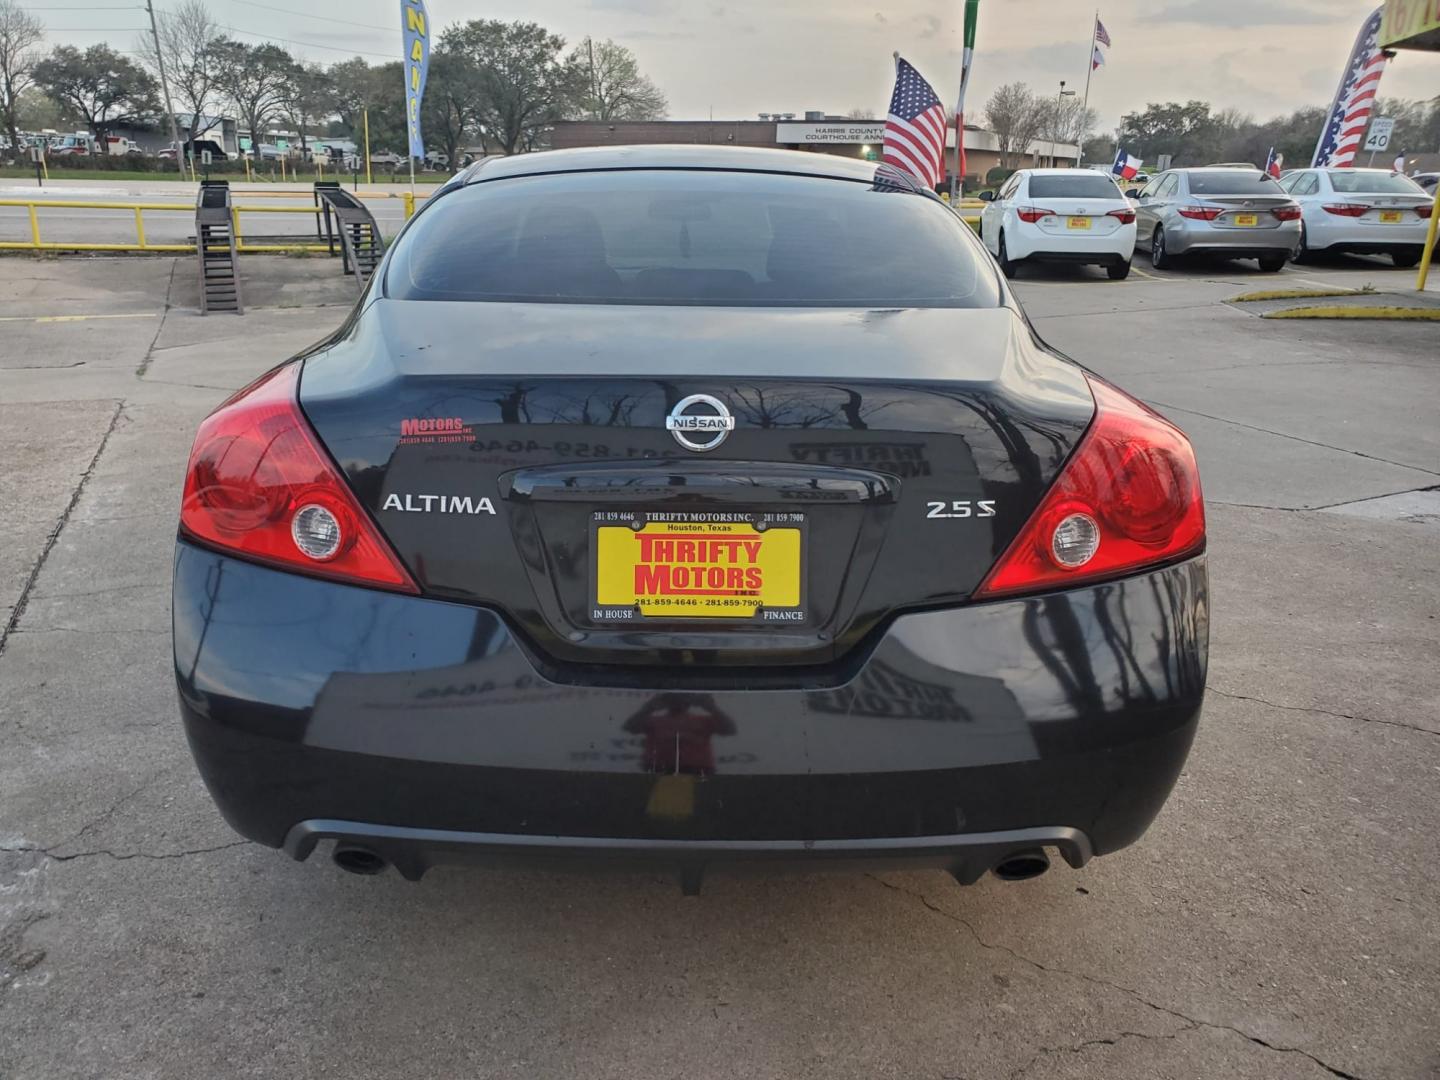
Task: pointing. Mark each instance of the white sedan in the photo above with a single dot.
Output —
(1362, 211)
(1059, 215)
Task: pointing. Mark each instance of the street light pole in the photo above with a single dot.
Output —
(165, 87)
(1059, 108)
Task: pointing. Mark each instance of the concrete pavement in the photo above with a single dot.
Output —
(1279, 920)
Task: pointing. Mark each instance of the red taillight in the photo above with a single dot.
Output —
(1200, 213)
(1287, 213)
(1424, 211)
(1128, 498)
(1125, 216)
(259, 485)
(1346, 209)
(1033, 214)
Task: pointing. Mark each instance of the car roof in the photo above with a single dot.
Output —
(680, 156)
(1063, 172)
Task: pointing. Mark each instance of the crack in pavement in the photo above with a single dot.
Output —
(1097, 981)
(107, 814)
(1294, 438)
(54, 535)
(164, 314)
(1080, 1048)
(122, 856)
(1319, 712)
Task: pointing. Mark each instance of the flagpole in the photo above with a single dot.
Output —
(1085, 106)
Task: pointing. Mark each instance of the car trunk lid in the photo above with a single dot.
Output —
(518, 455)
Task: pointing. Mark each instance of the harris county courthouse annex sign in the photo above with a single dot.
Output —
(797, 134)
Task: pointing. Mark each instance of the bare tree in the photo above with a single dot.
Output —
(188, 34)
(20, 37)
(305, 96)
(860, 114)
(1065, 121)
(611, 85)
(1017, 118)
(253, 78)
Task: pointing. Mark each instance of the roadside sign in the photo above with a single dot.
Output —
(1379, 137)
(35, 153)
(205, 158)
(1162, 162)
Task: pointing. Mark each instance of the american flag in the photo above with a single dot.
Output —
(1354, 100)
(915, 128)
(1100, 35)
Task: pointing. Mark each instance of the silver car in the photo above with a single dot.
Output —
(1362, 211)
(1233, 213)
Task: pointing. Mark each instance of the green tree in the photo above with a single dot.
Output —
(610, 85)
(102, 86)
(253, 78)
(1186, 132)
(20, 37)
(450, 111)
(524, 84)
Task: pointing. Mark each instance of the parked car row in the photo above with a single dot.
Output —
(1080, 216)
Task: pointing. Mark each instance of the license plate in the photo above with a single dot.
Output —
(1078, 223)
(1247, 219)
(679, 567)
(1390, 216)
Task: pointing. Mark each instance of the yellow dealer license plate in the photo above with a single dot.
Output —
(1078, 223)
(1247, 219)
(1390, 216)
(698, 565)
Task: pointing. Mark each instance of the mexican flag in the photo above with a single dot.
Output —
(972, 9)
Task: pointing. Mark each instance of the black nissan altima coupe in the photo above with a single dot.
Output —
(689, 507)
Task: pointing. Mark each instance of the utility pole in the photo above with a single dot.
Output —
(165, 88)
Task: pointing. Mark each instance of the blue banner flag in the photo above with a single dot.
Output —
(416, 27)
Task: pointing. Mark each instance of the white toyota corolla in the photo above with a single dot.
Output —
(1059, 215)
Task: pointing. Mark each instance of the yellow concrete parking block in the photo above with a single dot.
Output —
(78, 318)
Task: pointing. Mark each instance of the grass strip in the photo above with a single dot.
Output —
(1397, 314)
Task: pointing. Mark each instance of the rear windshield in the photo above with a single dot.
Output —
(1376, 183)
(691, 237)
(1233, 182)
(1079, 186)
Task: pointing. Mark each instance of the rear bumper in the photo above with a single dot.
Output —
(1234, 243)
(1343, 234)
(422, 728)
(1081, 247)
(966, 856)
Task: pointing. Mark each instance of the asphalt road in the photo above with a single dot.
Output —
(1281, 919)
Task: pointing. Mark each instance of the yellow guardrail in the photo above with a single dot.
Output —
(36, 243)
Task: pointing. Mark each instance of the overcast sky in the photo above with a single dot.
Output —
(741, 57)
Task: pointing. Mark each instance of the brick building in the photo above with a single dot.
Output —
(816, 133)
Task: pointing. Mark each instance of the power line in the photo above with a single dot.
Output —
(310, 44)
(322, 18)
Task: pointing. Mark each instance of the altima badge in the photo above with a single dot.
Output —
(700, 422)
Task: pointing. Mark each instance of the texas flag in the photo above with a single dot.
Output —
(1273, 163)
(1125, 166)
(1097, 58)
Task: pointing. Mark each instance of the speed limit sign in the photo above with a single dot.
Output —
(1379, 137)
